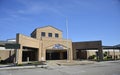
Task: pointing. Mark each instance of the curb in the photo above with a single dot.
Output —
(23, 67)
(78, 63)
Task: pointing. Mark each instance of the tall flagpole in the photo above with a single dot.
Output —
(67, 38)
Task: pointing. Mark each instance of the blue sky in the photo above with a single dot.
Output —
(88, 20)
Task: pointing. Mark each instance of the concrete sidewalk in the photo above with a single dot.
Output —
(69, 63)
(49, 64)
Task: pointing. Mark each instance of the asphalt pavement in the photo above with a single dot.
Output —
(98, 68)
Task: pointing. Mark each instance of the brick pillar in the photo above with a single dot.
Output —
(88, 54)
(70, 54)
(43, 55)
(74, 54)
(40, 50)
(19, 51)
(39, 54)
(19, 55)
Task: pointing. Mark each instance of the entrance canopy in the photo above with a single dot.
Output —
(88, 45)
(56, 52)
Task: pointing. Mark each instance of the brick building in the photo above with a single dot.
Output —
(45, 43)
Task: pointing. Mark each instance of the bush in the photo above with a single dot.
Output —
(105, 54)
(3, 62)
(109, 57)
(19, 64)
(92, 57)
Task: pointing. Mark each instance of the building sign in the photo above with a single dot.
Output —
(12, 46)
(58, 46)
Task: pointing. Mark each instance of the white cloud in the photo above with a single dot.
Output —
(32, 7)
(26, 8)
(37, 7)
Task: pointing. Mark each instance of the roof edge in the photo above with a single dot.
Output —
(88, 41)
(49, 26)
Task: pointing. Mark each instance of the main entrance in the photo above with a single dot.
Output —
(29, 54)
(56, 54)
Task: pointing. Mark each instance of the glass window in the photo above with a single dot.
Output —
(49, 34)
(43, 34)
(56, 35)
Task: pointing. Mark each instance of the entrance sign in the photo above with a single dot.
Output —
(58, 46)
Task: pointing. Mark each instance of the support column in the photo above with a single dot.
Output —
(74, 54)
(19, 55)
(87, 54)
(114, 54)
(70, 54)
(40, 50)
(43, 58)
(100, 54)
(19, 51)
(39, 54)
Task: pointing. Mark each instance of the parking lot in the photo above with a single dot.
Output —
(98, 68)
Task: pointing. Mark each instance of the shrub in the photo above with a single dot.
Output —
(19, 64)
(109, 57)
(105, 54)
(3, 62)
(92, 57)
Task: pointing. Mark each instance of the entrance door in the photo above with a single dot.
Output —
(52, 56)
(81, 54)
(56, 55)
(31, 53)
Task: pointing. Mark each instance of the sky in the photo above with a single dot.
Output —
(88, 20)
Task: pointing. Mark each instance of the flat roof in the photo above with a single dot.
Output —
(110, 47)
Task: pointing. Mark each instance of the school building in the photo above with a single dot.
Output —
(47, 43)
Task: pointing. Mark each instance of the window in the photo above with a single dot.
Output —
(49, 34)
(56, 35)
(43, 34)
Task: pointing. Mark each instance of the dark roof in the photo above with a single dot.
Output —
(88, 41)
(111, 47)
(118, 45)
(2, 43)
(107, 47)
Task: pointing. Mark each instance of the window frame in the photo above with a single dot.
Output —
(43, 34)
(56, 35)
(49, 34)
